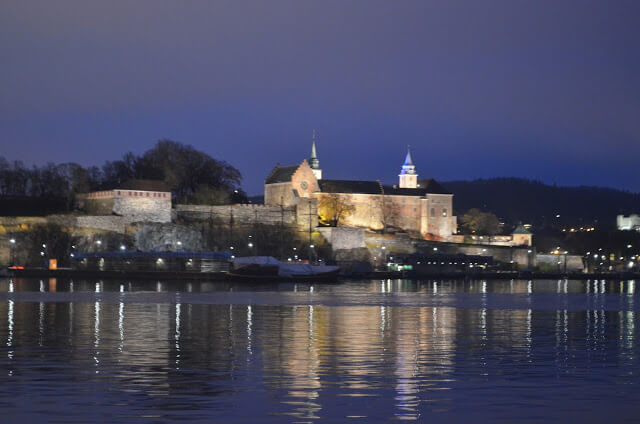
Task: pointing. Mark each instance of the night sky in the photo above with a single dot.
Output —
(538, 89)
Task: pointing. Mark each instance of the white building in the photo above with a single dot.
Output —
(627, 223)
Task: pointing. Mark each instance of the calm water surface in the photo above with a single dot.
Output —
(358, 351)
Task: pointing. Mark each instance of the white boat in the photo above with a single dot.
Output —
(270, 268)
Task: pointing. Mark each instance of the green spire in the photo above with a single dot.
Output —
(313, 160)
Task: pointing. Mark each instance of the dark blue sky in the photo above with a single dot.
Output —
(538, 89)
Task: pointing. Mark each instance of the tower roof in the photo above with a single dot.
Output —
(408, 168)
(408, 161)
(313, 160)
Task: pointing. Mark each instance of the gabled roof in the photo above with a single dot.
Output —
(374, 187)
(429, 185)
(281, 174)
(396, 191)
(348, 186)
(521, 230)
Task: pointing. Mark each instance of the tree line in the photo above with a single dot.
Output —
(516, 200)
(193, 176)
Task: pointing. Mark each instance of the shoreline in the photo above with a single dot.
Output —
(374, 275)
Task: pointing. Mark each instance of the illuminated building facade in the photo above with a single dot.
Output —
(420, 207)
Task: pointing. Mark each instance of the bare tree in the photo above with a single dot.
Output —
(335, 208)
(389, 212)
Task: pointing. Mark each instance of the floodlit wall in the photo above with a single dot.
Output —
(138, 205)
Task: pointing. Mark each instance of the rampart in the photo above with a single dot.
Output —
(243, 214)
(302, 214)
(140, 205)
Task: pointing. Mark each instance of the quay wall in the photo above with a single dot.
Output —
(570, 263)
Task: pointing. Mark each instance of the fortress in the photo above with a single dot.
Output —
(420, 207)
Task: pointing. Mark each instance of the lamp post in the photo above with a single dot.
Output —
(12, 251)
(384, 257)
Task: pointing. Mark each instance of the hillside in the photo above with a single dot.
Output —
(515, 200)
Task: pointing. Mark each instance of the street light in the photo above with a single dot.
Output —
(12, 248)
(384, 256)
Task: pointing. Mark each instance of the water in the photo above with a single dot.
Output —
(358, 351)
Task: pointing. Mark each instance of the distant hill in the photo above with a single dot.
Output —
(518, 200)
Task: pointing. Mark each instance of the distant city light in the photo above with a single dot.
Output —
(13, 241)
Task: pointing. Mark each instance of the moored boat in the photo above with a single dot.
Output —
(268, 267)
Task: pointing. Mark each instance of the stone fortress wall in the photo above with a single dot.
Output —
(242, 214)
(136, 205)
(302, 213)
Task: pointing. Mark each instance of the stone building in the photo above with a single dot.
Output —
(521, 236)
(139, 200)
(421, 207)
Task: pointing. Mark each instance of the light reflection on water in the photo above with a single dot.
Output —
(452, 351)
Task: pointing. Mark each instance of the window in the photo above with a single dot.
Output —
(433, 211)
(444, 211)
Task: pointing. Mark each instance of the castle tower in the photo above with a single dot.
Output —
(408, 176)
(313, 160)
